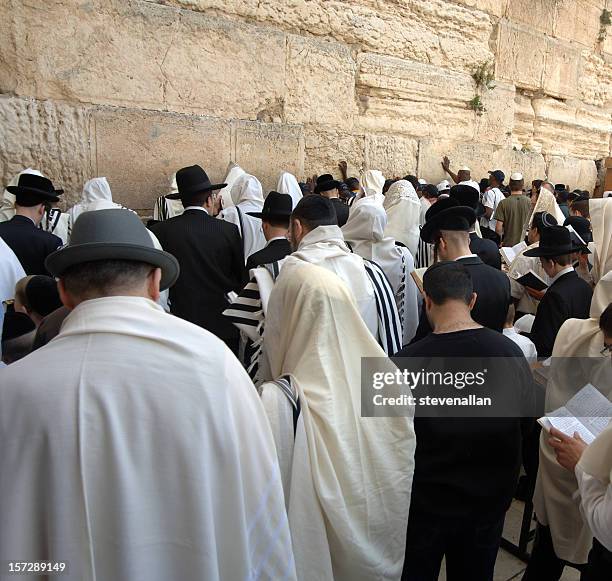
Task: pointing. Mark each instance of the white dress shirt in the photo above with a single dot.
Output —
(596, 506)
(525, 343)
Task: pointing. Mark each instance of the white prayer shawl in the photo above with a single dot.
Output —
(600, 211)
(57, 222)
(234, 172)
(325, 247)
(373, 182)
(96, 196)
(10, 272)
(287, 184)
(129, 471)
(547, 202)
(350, 477)
(247, 195)
(403, 212)
(520, 266)
(365, 232)
(554, 498)
(164, 208)
(7, 204)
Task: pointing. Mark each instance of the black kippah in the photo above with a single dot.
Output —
(315, 208)
(42, 295)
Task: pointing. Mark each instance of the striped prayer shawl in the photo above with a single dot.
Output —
(389, 323)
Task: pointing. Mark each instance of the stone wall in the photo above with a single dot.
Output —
(134, 89)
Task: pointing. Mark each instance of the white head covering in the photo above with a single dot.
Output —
(373, 182)
(10, 272)
(600, 210)
(287, 184)
(547, 202)
(351, 476)
(472, 184)
(7, 205)
(96, 196)
(403, 211)
(247, 193)
(234, 171)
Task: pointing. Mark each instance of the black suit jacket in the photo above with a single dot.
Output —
(486, 250)
(275, 250)
(569, 297)
(342, 211)
(493, 289)
(30, 244)
(210, 254)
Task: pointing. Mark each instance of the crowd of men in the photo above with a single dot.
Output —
(183, 400)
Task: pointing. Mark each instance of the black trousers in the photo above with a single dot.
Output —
(599, 567)
(544, 565)
(470, 548)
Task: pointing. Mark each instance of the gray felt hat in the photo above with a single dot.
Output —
(112, 235)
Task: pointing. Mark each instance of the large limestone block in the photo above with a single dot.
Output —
(560, 76)
(427, 31)
(575, 173)
(8, 54)
(596, 79)
(394, 155)
(477, 156)
(266, 149)
(321, 82)
(398, 95)
(141, 54)
(536, 61)
(571, 128)
(578, 21)
(50, 137)
(538, 15)
(138, 151)
(480, 158)
(495, 8)
(524, 123)
(521, 55)
(324, 148)
(496, 123)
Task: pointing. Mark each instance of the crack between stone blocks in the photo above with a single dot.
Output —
(167, 81)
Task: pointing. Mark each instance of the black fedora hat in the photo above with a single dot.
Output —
(192, 180)
(325, 183)
(112, 235)
(468, 196)
(447, 214)
(554, 241)
(35, 186)
(276, 205)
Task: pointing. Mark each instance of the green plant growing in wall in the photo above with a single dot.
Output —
(477, 105)
(605, 19)
(484, 76)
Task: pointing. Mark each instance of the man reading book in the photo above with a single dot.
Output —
(568, 296)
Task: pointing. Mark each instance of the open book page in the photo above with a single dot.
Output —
(509, 253)
(592, 408)
(588, 413)
(417, 276)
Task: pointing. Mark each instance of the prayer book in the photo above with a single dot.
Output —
(509, 253)
(588, 413)
(417, 276)
(532, 280)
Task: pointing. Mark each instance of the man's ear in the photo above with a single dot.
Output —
(428, 302)
(473, 300)
(66, 298)
(153, 281)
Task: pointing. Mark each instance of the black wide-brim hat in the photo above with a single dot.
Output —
(34, 185)
(554, 241)
(276, 205)
(115, 234)
(447, 214)
(325, 183)
(468, 196)
(192, 180)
